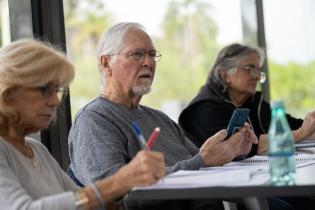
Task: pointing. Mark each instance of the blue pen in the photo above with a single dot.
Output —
(139, 136)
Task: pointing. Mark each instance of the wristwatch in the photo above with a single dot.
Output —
(81, 200)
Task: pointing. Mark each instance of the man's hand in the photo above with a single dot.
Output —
(216, 152)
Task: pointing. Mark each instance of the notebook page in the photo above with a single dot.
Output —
(261, 163)
(196, 179)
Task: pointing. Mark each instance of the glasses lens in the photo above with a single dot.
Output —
(51, 89)
(157, 56)
(61, 93)
(254, 72)
(262, 77)
(138, 54)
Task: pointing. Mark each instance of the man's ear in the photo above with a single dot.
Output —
(105, 64)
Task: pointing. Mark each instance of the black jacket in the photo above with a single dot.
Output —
(211, 110)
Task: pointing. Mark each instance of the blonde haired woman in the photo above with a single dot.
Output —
(33, 77)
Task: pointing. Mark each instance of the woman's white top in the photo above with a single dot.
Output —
(28, 186)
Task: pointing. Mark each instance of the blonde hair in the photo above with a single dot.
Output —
(29, 63)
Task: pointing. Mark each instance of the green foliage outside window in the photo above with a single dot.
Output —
(294, 83)
(188, 51)
(0, 31)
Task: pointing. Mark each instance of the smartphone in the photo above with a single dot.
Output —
(237, 120)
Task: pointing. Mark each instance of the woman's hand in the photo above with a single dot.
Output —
(145, 168)
(307, 129)
(263, 144)
(248, 140)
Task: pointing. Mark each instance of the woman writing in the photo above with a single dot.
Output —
(33, 78)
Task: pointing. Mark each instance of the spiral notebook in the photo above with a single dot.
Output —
(306, 143)
(300, 159)
(260, 163)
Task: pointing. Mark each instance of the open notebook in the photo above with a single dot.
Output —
(262, 162)
(248, 172)
(299, 158)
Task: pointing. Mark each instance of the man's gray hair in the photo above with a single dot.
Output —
(112, 42)
(228, 59)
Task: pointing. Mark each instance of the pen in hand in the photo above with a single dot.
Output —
(143, 144)
(139, 136)
(153, 137)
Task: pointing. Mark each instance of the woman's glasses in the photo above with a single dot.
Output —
(254, 72)
(51, 88)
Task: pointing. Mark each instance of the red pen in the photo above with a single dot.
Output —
(153, 137)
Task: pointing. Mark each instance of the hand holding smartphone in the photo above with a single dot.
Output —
(237, 120)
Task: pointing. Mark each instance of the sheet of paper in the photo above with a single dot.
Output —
(249, 172)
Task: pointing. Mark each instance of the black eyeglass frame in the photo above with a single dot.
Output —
(139, 54)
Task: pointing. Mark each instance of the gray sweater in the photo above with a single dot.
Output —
(101, 140)
(25, 187)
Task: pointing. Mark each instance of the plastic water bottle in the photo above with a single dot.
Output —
(280, 147)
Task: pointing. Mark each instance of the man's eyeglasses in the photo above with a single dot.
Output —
(139, 54)
(51, 88)
(254, 72)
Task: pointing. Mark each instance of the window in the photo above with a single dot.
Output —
(290, 42)
(5, 37)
